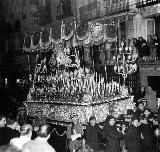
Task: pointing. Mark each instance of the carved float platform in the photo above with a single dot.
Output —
(62, 111)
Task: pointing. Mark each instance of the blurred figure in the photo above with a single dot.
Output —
(141, 93)
(151, 100)
(150, 47)
(140, 110)
(92, 132)
(40, 144)
(25, 136)
(112, 136)
(38, 121)
(22, 116)
(2, 121)
(74, 133)
(9, 132)
(156, 46)
(133, 136)
(142, 47)
(146, 130)
(135, 46)
(8, 148)
(130, 114)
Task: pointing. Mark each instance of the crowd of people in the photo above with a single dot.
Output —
(134, 132)
(147, 48)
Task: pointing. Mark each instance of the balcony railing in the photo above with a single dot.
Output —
(144, 3)
(91, 11)
(117, 6)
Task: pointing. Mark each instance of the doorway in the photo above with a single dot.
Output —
(153, 81)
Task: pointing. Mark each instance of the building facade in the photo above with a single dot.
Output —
(133, 18)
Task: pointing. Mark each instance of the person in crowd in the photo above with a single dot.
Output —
(135, 42)
(133, 136)
(25, 136)
(10, 131)
(150, 47)
(38, 121)
(156, 46)
(2, 125)
(2, 121)
(130, 91)
(22, 116)
(146, 130)
(8, 148)
(74, 133)
(142, 47)
(135, 46)
(140, 109)
(40, 143)
(92, 132)
(130, 114)
(141, 93)
(156, 139)
(112, 135)
(151, 100)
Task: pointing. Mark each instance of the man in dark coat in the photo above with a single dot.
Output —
(9, 132)
(112, 135)
(147, 133)
(140, 110)
(133, 136)
(92, 132)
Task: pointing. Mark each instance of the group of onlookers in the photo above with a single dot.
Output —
(150, 97)
(136, 134)
(24, 138)
(147, 48)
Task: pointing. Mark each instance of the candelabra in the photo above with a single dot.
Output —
(125, 62)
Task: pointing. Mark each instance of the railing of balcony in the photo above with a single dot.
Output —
(144, 3)
(117, 6)
(92, 11)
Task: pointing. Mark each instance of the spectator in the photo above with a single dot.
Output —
(74, 132)
(8, 148)
(112, 136)
(92, 132)
(140, 110)
(139, 47)
(25, 136)
(38, 121)
(151, 100)
(2, 121)
(2, 125)
(146, 130)
(135, 46)
(133, 137)
(156, 46)
(135, 42)
(22, 116)
(40, 144)
(130, 114)
(141, 93)
(9, 132)
(150, 47)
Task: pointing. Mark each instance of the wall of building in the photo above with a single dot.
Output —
(64, 14)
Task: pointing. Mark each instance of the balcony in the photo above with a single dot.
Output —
(117, 6)
(144, 3)
(91, 11)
